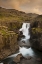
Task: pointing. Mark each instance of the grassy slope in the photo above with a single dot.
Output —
(12, 14)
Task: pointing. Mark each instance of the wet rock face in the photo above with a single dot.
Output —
(36, 35)
(8, 43)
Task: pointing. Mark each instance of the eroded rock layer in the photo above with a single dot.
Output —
(8, 42)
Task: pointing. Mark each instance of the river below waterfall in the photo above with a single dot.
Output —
(25, 49)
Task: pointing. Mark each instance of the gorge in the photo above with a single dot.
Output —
(26, 51)
(20, 37)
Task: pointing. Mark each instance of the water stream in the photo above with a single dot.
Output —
(23, 50)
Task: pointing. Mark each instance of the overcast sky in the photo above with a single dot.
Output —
(28, 6)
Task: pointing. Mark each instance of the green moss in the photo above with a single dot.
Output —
(6, 33)
(37, 30)
(3, 31)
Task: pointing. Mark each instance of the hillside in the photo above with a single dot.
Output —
(39, 18)
(15, 15)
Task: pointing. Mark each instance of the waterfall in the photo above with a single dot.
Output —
(25, 30)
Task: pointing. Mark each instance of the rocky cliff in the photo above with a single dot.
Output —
(8, 37)
(36, 35)
(8, 42)
(12, 25)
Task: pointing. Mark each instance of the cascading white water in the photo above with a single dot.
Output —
(25, 30)
(25, 51)
(1, 63)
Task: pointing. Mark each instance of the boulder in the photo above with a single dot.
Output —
(18, 58)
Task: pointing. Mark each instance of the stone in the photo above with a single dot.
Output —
(29, 57)
(20, 35)
(23, 41)
(18, 58)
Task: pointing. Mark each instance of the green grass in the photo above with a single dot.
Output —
(6, 16)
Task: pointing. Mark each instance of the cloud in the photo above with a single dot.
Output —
(28, 6)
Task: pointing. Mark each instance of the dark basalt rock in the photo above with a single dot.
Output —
(20, 35)
(38, 59)
(36, 35)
